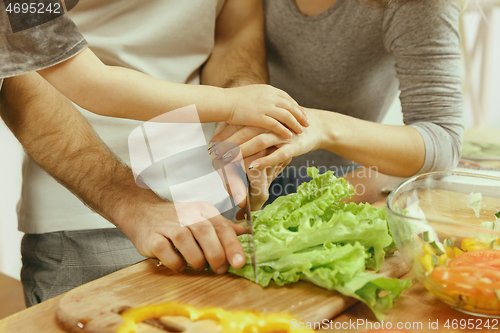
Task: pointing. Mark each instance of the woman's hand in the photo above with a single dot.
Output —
(266, 107)
(254, 140)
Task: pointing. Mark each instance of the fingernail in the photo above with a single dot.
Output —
(211, 145)
(238, 198)
(222, 270)
(202, 268)
(290, 134)
(238, 259)
(227, 155)
(303, 110)
(181, 269)
(253, 166)
(308, 122)
(214, 154)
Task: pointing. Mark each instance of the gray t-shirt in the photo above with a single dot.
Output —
(354, 58)
(36, 48)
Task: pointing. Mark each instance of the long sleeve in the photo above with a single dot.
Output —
(424, 39)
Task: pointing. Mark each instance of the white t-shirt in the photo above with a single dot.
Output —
(166, 39)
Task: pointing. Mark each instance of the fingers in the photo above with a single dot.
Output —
(260, 143)
(183, 240)
(275, 126)
(220, 127)
(279, 156)
(209, 241)
(284, 117)
(163, 250)
(244, 134)
(227, 236)
(291, 107)
(235, 182)
(238, 228)
(225, 133)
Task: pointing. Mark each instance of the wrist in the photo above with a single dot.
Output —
(137, 207)
(227, 108)
(319, 124)
(334, 129)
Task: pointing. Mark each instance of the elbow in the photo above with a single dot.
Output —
(443, 145)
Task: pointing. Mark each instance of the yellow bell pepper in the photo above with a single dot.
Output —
(428, 249)
(457, 251)
(427, 262)
(471, 244)
(443, 260)
(449, 252)
(229, 322)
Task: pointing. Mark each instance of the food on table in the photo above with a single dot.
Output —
(468, 277)
(310, 235)
(229, 322)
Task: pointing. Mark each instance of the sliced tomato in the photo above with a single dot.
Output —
(470, 285)
(475, 257)
(468, 275)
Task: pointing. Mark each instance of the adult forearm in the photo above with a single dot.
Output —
(239, 56)
(60, 140)
(394, 150)
(239, 65)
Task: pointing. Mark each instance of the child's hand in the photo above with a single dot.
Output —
(264, 106)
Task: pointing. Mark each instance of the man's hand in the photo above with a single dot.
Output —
(61, 141)
(212, 241)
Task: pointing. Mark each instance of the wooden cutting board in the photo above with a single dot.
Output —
(92, 305)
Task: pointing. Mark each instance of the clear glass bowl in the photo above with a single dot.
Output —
(454, 252)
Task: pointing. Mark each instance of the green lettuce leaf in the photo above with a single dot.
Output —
(312, 236)
(314, 216)
(333, 267)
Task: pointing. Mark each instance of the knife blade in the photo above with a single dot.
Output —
(250, 231)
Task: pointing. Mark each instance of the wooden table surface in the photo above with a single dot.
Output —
(416, 307)
(11, 296)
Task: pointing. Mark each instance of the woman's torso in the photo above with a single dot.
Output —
(333, 61)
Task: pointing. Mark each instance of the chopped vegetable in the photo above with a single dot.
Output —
(471, 279)
(449, 252)
(438, 248)
(449, 243)
(310, 235)
(475, 258)
(497, 215)
(471, 244)
(427, 262)
(457, 251)
(427, 236)
(474, 201)
(230, 322)
(428, 249)
(443, 260)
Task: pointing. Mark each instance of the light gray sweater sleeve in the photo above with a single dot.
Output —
(426, 45)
